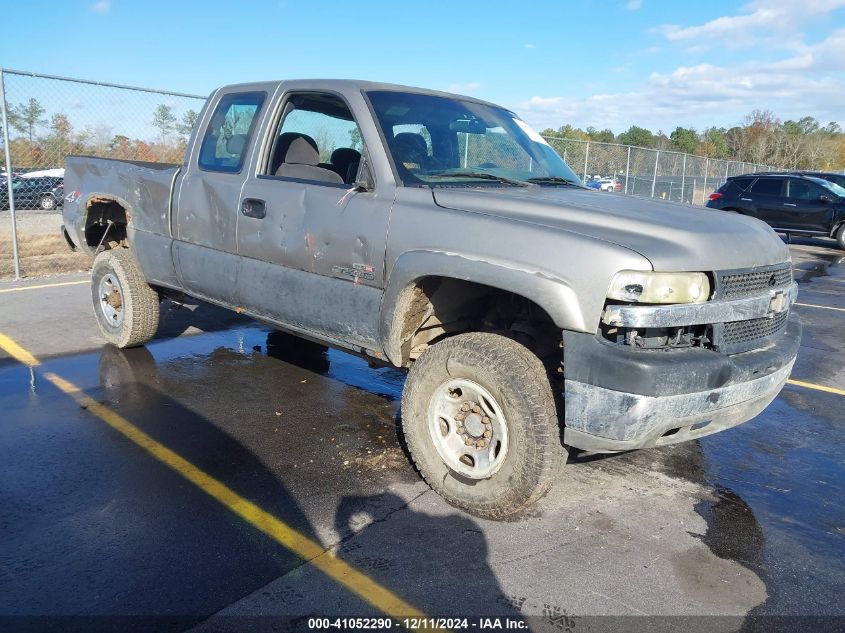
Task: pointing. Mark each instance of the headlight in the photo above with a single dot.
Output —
(647, 287)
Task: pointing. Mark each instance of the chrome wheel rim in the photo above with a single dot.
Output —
(468, 428)
(46, 203)
(111, 300)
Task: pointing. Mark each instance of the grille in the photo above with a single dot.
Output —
(733, 285)
(739, 336)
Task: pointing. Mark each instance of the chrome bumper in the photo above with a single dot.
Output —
(720, 311)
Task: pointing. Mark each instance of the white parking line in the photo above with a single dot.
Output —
(813, 305)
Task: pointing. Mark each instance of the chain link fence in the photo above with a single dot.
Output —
(46, 118)
(652, 173)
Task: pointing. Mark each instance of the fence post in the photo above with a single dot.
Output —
(727, 167)
(654, 178)
(586, 157)
(684, 179)
(15, 254)
(704, 186)
(628, 169)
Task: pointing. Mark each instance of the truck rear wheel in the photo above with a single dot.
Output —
(126, 307)
(481, 424)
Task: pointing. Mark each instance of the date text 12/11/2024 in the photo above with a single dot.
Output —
(415, 624)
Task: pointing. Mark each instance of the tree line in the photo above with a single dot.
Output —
(45, 142)
(762, 138)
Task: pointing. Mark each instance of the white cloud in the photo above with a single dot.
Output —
(807, 83)
(464, 88)
(529, 45)
(101, 6)
(760, 19)
(634, 5)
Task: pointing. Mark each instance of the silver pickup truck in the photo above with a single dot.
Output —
(443, 235)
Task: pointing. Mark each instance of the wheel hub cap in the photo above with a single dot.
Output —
(111, 301)
(468, 428)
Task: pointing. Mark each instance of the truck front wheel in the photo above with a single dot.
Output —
(125, 306)
(481, 424)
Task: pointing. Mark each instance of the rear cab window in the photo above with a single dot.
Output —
(227, 137)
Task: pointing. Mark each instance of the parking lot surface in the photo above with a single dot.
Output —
(226, 475)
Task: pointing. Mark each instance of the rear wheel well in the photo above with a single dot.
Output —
(105, 223)
(734, 209)
(434, 308)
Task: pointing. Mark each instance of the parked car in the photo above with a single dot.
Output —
(43, 192)
(791, 203)
(604, 184)
(498, 286)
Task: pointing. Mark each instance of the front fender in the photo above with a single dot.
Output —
(552, 294)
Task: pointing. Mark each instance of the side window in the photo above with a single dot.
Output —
(768, 186)
(226, 140)
(742, 183)
(316, 140)
(803, 190)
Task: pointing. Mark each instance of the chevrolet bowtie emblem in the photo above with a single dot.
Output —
(777, 304)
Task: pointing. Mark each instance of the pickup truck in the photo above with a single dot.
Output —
(441, 234)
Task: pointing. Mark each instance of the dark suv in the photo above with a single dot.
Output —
(790, 203)
(40, 192)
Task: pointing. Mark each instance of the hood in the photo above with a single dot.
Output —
(673, 237)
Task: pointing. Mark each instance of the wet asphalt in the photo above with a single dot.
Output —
(747, 525)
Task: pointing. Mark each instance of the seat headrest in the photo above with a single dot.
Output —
(411, 141)
(301, 152)
(235, 144)
(343, 156)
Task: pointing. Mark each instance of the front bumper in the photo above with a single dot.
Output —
(619, 399)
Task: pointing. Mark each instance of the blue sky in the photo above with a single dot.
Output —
(607, 64)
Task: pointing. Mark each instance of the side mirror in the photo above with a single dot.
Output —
(364, 181)
(825, 198)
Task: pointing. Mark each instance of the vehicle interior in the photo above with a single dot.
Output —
(316, 139)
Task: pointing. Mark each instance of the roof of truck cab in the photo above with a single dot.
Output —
(345, 85)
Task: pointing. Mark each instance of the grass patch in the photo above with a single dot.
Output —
(40, 255)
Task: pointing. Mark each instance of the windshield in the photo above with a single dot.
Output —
(443, 141)
(831, 186)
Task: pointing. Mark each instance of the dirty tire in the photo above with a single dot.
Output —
(840, 237)
(519, 383)
(139, 302)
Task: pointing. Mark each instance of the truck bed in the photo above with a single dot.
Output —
(144, 188)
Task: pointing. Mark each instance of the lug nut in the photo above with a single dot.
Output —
(486, 420)
(461, 430)
(465, 407)
(488, 434)
(469, 441)
(480, 444)
(476, 408)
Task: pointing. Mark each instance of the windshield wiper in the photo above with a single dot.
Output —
(554, 180)
(483, 175)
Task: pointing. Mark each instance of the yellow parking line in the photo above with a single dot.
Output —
(55, 285)
(813, 305)
(810, 385)
(17, 352)
(357, 582)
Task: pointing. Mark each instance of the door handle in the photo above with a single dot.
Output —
(789, 204)
(254, 208)
(746, 199)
